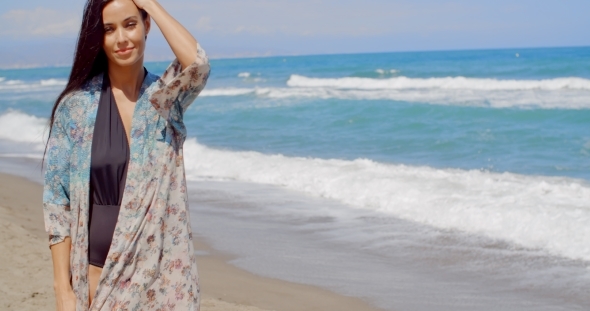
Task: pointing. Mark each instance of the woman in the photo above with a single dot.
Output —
(115, 200)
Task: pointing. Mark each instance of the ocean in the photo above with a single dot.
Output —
(447, 180)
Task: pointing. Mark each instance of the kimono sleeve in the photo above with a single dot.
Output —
(56, 189)
(178, 88)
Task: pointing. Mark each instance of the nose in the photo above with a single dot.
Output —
(121, 36)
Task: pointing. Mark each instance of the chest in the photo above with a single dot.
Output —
(126, 109)
(146, 130)
(153, 143)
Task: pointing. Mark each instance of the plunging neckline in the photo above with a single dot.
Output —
(142, 88)
(127, 134)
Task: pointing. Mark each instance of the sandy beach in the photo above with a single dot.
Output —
(26, 270)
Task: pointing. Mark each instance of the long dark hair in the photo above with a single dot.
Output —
(89, 57)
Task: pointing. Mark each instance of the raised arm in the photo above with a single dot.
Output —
(183, 44)
(186, 77)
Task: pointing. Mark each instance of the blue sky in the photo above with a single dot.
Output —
(41, 32)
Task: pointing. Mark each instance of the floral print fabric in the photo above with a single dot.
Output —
(151, 263)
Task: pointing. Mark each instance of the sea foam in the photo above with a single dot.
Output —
(52, 82)
(227, 92)
(547, 213)
(20, 127)
(463, 83)
(559, 93)
(533, 99)
(41, 85)
(538, 212)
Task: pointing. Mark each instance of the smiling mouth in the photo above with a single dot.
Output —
(123, 51)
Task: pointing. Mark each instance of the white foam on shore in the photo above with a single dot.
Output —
(462, 83)
(20, 127)
(227, 92)
(52, 82)
(535, 99)
(384, 72)
(558, 93)
(547, 213)
(41, 85)
(14, 82)
(33, 156)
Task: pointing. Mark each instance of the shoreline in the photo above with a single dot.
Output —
(223, 286)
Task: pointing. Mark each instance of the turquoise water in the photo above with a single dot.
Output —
(461, 128)
(476, 158)
(460, 134)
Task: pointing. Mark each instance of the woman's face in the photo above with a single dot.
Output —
(124, 33)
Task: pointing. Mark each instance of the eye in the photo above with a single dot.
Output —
(132, 24)
(108, 30)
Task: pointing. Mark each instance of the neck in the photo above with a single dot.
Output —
(128, 79)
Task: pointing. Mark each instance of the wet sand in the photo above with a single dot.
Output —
(26, 274)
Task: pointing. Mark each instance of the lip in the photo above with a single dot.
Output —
(123, 51)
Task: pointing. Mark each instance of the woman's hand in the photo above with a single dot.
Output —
(142, 3)
(182, 43)
(65, 299)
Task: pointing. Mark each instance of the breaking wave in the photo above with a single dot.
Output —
(539, 212)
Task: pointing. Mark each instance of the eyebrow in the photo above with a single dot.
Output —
(127, 19)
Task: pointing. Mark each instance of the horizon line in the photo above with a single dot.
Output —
(33, 66)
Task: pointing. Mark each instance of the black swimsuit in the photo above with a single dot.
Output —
(108, 170)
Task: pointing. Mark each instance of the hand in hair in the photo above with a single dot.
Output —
(182, 43)
(142, 3)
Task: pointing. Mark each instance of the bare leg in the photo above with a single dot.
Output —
(93, 277)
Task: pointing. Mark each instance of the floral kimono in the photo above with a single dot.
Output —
(151, 264)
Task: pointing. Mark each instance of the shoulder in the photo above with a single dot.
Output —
(153, 80)
(87, 91)
(77, 102)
